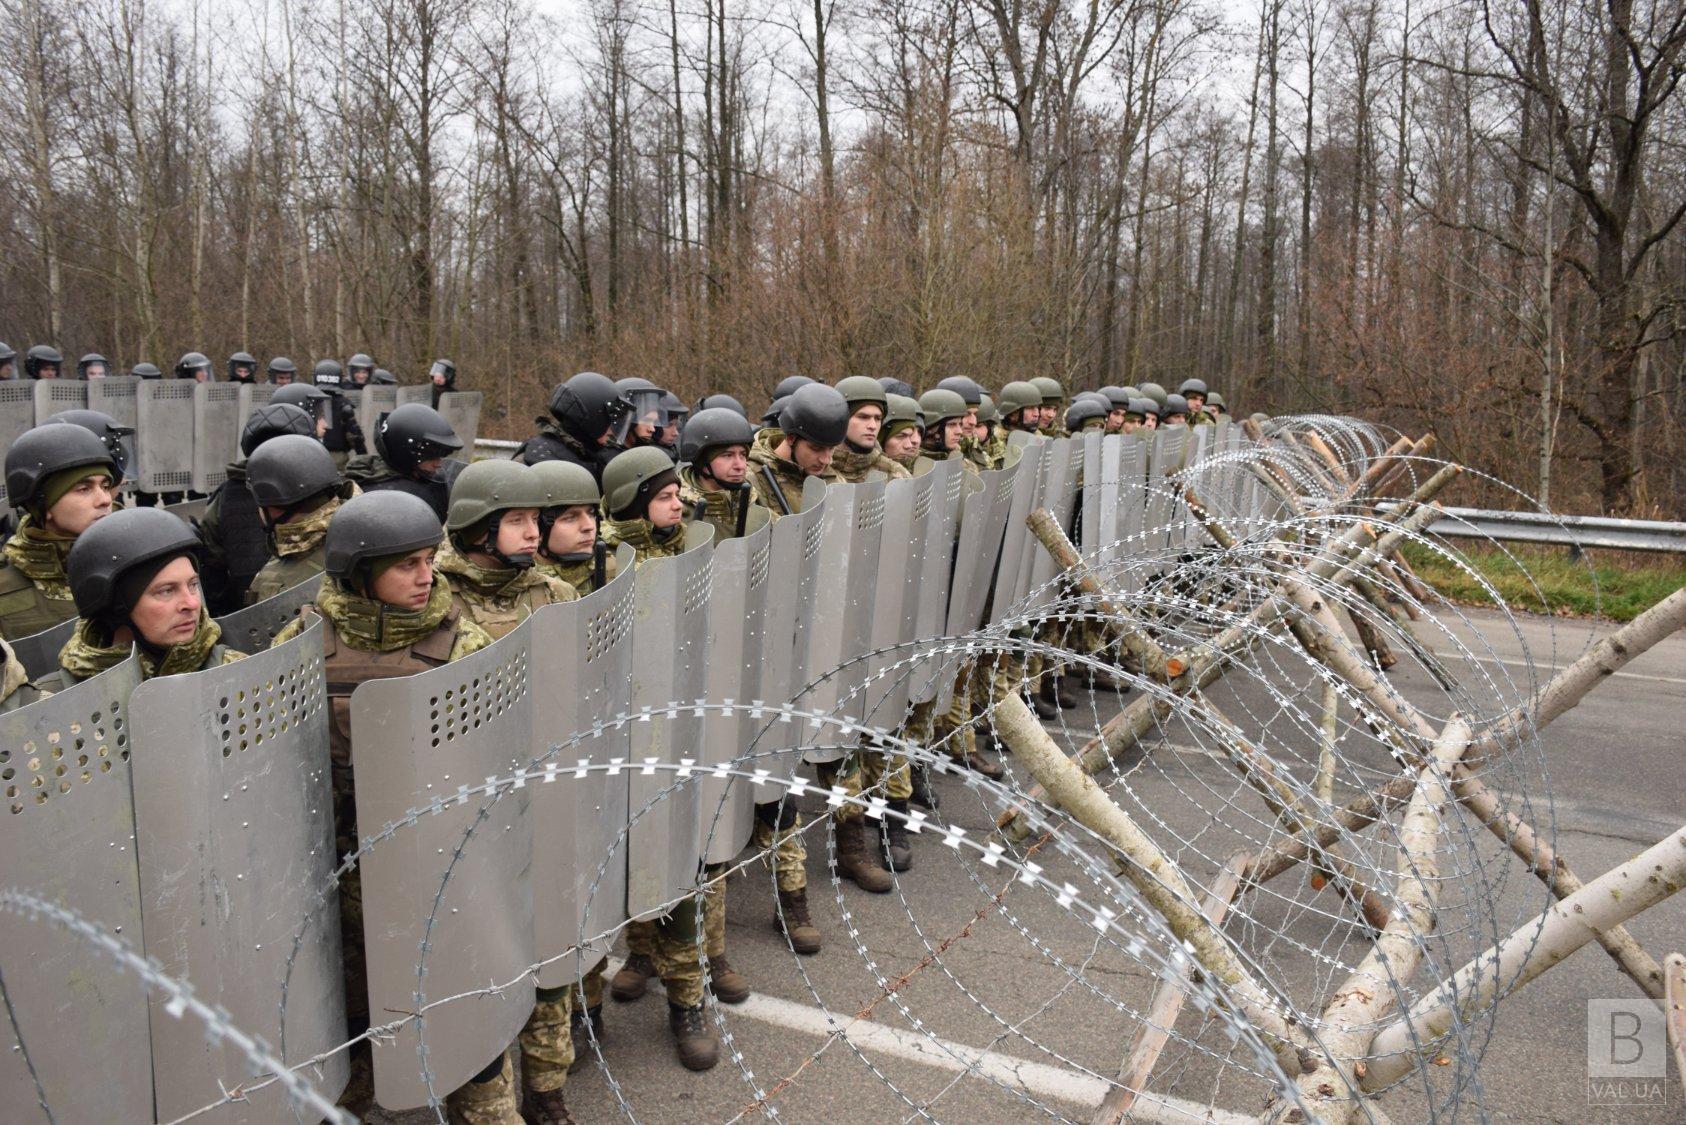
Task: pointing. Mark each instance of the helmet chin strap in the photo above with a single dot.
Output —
(489, 545)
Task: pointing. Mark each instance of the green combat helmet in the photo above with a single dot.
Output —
(987, 411)
(859, 390)
(567, 485)
(1050, 389)
(941, 406)
(629, 474)
(1155, 392)
(487, 488)
(1017, 396)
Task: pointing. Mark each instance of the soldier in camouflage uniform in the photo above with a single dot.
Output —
(492, 541)
(386, 613)
(1194, 393)
(972, 446)
(64, 479)
(991, 435)
(135, 578)
(298, 489)
(903, 431)
(1087, 414)
(1215, 406)
(1021, 407)
(569, 546)
(1136, 414)
(859, 454)
(784, 457)
(1053, 406)
(641, 502)
(236, 544)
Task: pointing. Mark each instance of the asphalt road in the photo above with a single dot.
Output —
(964, 997)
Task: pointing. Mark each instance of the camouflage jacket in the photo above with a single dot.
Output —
(643, 538)
(298, 554)
(719, 507)
(498, 600)
(15, 689)
(581, 574)
(788, 479)
(34, 594)
(88, 653)
(853, 467)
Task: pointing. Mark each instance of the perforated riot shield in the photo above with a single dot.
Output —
(734, 654)
(39, 652)
(1132, 499)
(164, 433)
(842, 621)
(55, 396)
(582, 676)
(252, 628)
(447, 896)
(1197, 447)
(669, 635)
(235, 826)
(462, 410)
(115, 395)
(421, 392)
(17, 416)
(942, 519)
(1058, 496)
(1102, 535)
(77, 1017)
(786, 619)
(217, 417)
(1018, 547)
(895, 602)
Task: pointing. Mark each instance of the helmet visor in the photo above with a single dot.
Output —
(646, 416)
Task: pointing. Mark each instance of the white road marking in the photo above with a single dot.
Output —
(1542, 667)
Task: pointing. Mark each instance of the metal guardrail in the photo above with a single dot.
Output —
(1565, 531)
(1467, 523)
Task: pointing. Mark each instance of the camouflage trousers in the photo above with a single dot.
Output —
(488, 1098)
(547, 1043)
(670, 942)
(714, 910)
(786, 847)
(875, 773)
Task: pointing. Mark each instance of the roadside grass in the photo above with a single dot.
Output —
(1619, 585)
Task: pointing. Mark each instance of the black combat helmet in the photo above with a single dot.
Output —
(131, 542)
(289, 469)
(412, 434)
(376, 525)
(273, 420)
(816, 413)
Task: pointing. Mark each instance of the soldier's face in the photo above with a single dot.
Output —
(902, 444)
(1114, 421)
(1195, 401)
(971, 420)
(864, 425)
(518, 532)
(77, 509)
(574, 532)
(408, 583)
(47, 371)
(730, 465)
(664, 509)
(168, 611)
(1150, 422)
(981, 431)
(242, 371)
(951, 433)
(94, 371)
(1175, 419)
(8, 370)
(1130, 425)
(281, 378)
(812, 459)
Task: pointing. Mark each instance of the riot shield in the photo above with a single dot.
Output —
(39, 652)
(54, 396)
(462, 410)
(1107, 482)
(737, 611)
(76, 1016)
(189, 510)
(1165, 456)
(1197, 447)
(164, 435)
(115, 395)
(217, 418)
(895, 601)
(1018, 546)
(17, 417)
(1089, 504)
(582, 677)
(1132, 498)
(235, 827)
(447, 895)
(842, 623)
(669, 634)
(422, 393)
(1058, 496)
(942, 518)
(252, 628)
(983, 516)
(795, 548)
(372, 402)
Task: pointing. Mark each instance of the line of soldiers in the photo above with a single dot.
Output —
(422, 569)
(43, 361)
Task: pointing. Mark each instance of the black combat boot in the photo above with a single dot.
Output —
(856, 861)
(895, 842)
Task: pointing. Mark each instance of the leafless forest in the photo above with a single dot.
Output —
(1462, 216)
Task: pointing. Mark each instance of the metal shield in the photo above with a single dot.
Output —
(462, 410)
(982, 518)
(794, 554)
(235, 827)
(39, 652)
(842, 623)
(17, 416)
(372, 402)
(669, 638)
(421, 392)
(1059, 496)
(1107, 484)
(1132, 498)
(217, 418)
(582, 677)
(54, 396)
(252, 628)
(164, 434)
(737, 611)
(452, 885)
(115, 395)
(1089, 499)
(1018, 546)
(895, 602)
(942, 522)
(77, 1017)
(1165, 458)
